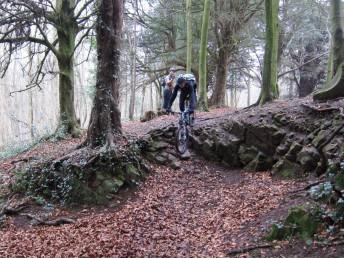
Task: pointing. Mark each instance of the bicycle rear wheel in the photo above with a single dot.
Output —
(182, 139)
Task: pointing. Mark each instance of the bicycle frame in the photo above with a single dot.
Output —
(185, 118)
(182, 137)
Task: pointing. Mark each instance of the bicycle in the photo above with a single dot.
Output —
(186, 120)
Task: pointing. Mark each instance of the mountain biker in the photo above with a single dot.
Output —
(187, 85)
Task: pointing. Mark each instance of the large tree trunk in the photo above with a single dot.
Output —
(269, 88)
(307, 83)
(133, 45)
(330, 66)
(106, 117)
(132, 87)
(203, 98)
(188, 36)
(218, 96)
(335, 87)
(66, 32)
(337, 34)
(309, 73)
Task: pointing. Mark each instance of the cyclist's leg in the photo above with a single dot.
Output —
(182, 99)
(166, 99)
(193, 100)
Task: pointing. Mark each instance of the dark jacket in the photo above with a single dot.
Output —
(187, 92)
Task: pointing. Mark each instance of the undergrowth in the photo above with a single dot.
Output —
(325, 217)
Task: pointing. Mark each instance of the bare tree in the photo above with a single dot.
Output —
(47, 27)
(230, 17)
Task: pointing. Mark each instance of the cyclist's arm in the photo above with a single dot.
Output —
(174, 95)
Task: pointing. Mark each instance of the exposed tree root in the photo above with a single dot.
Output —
(319, 109)
(11, 211)
(17, 211)
(54, 222)
(333, 89)
(324, 162)
(247, 249)
(306, 188)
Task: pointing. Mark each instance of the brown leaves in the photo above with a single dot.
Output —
(199, 212)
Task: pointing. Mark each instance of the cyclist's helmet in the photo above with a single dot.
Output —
(180, 79)
(185, 77)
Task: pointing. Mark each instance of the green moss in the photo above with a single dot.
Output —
(339, 181)
(299, 222)
(69, 183)
(286, 169)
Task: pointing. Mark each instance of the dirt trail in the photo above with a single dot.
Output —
(201, 210)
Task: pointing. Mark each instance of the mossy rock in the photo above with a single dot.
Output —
(264, 137)
(298, 222)
(112, 185)
(339, 181)
(76, 182)
(294, 149)
(321, 137)
(157, 145)
(247, 154)
(286, 169)
(260, 163)
(308, 158)
(283, 148)
(227, 150)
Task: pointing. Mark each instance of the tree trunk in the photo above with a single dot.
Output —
(132, 89)
(269, 88)
(203, 98)
(218, 96)
(143, 100)
(249, 93)
(307, 83)
(151, 97)
(337, 34)
(309, 73)
(232, 96)
(66, 32)
(31, 110)
(335, 87)
(330, 65)
(106, 117)
(188, 36)
(133, 72)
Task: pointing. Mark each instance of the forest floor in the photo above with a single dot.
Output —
(201, 210)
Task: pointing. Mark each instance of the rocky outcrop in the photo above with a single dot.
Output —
(288, 140)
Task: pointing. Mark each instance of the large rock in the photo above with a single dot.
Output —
(148, 115)
(157, 145)
(260, 163)
(264, 137)
(235, 128)
(112, 185)
(287, 169)
(308, 158)
(321, 137)
(227, 150)
(294, 150)
(283, 148)
(247, 154)
(208, 149)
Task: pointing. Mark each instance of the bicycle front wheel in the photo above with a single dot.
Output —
(182, 139)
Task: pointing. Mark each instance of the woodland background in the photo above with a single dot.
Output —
(154, 40)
